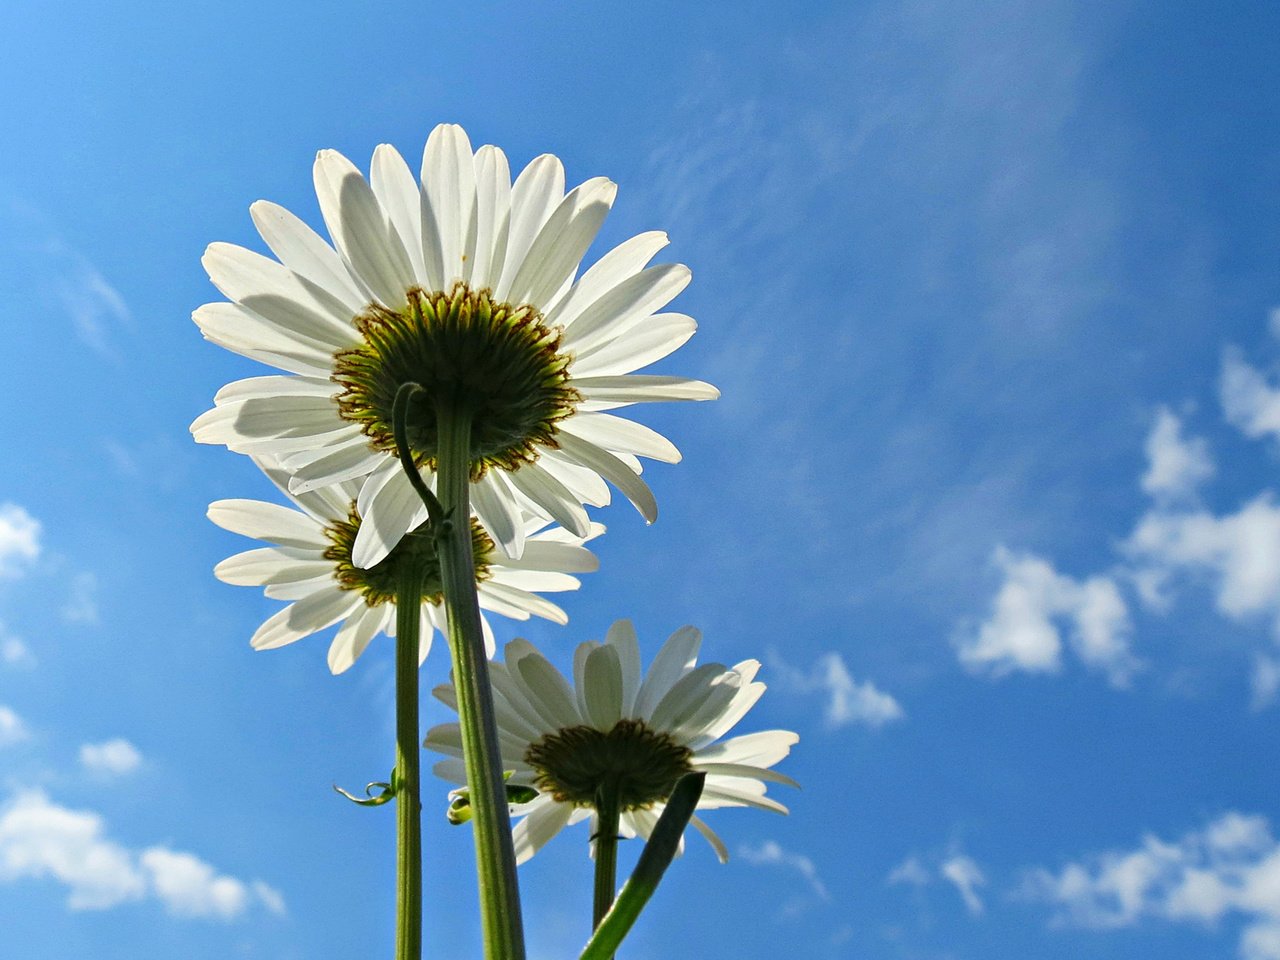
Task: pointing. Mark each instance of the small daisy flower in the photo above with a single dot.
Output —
(639, 733)
(465, 283)
(309, 564)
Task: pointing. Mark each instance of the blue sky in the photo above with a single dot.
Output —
(988, 289)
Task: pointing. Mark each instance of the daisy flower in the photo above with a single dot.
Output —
(309, 564)
(640, 734)
(466, 283)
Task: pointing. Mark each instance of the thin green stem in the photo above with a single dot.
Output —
(495, 856)
(405, 782)
(607, 816)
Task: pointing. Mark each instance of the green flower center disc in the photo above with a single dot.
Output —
(499, 363)
(378, 583)
(640, 764)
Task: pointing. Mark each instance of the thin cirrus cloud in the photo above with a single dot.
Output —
(1230, 868)
(40, 839)
(771, 853)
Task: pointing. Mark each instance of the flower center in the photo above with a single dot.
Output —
(642, 765)
(378, 583)
(498, 362)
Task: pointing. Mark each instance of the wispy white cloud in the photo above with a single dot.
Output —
(1176, 466)
(14, 651)
(113, 757)
(845, 701)
(956, 869)
(1022, 634)
(910, 872)
(13, 729)
(1264, 682)
(41, 840)
(81, 605)
(965, 875)
(1230, 867)
(1249, 400)
(19, 539)
(770, 853)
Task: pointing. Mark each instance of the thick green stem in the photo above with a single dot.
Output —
(406, 778)
(495, 856)
(607, 816)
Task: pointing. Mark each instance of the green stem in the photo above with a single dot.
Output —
(607, 816)
(495, 856)
(406, 778)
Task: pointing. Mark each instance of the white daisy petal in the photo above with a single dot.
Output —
(619, 435)
(534, 195)
(562, 242)
(637, 296)
(622, 637)
(303, 618)
(603, 681)
(258, 568)
(242, 331)
(687, 694)
(756, 749)
(676, 658)
(722, 852)
(393, 512)
(644, 388)
(543, 822)
(524, 600)
(277, 294)
(448, 182)
(493, 212)
(360, 229)
(350, 641)
(548, 691)
(638, 345)
(615, 470)
(562, 557)
(494, 506)
(396, 188)
(743, 770)
(622, 262)
(268, 521)
(303, 251)
(548, 492)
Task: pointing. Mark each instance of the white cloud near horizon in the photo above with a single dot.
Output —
(19, 539)
(846, 700)
(114, 757)
(771, 853)
(1231, 867)
(41, 840)
(1176, 466)
(1022, 632)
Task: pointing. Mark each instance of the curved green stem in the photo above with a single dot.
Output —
(405, 780)
(607, 817)
(495, 856)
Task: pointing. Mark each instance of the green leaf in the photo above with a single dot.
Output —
(654, 860)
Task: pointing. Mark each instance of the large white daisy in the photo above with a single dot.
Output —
(641, 732)
(464, 282)
(309, 563)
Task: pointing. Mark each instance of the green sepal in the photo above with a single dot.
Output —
(459, 811)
